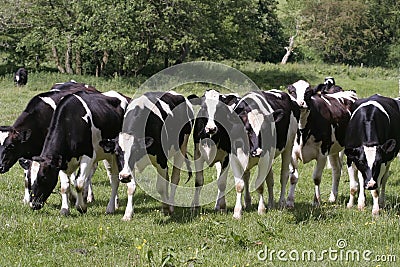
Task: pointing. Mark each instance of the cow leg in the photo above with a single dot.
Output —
(285, 158)
(88, 185)
(353, 176)
(361, 194)
(179, 159)
(270, 186)
(26, 190)
(375, 197)
(65, 190)
(199, 179)
(162, 188)
(247, 196)
(222, 174)
(112, 172)
(239, 186)
(294, 178)
(131, 188)
(336, 172)
(86, 164)
(383, 188)
(317, 174)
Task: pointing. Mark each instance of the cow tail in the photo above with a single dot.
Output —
(188, 167)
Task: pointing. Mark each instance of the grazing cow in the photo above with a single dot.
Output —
(321, 133)
(21, 77)
(80, 121)
(25, 138)
(372, 142)
(270, 122)
(156, 128)
(211, 141)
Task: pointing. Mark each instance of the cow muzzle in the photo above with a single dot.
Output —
(371, 185)
(36, 205)
(125, 177)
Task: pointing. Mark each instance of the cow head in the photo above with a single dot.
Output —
(259, 137)
(43, 176)
(300, 90)
(129, 151)
(10, 146)
(372, 161)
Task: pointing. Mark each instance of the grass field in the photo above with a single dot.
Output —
(335, 234)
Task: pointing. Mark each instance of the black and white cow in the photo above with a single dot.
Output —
(211, 141)
(321, 133)
(270, 122)
(372, 142)
(21, 77)
(156, 128)
(80, 121)
(25, 138)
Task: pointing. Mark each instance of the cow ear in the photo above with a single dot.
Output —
(229, 99)
(108, 145)
(389, 146)
(24, 135)
(24, 163)
(278, 115)
(194, 99)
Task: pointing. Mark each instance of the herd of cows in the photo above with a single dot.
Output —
(63, 133)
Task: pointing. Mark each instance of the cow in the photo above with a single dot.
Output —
(372, 142)
(270, 121)
(211, 141)
(21, 77)
(322, 127)
(80, 121)
(156, 128)
(25, 138)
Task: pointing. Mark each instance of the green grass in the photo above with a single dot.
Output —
(44, 238)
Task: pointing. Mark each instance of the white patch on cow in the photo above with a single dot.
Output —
(326, 100)
(256, 119)
(301, 87)
(373, 103)
(263, 105)
(370, 154)
(49, 102)
(211, 100)
(274, 92)
(124, 102)
(17, 78)
(166, 107)
(3, 136)
(144, 102)
(35, 166)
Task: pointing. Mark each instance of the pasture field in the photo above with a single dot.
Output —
(329, 235)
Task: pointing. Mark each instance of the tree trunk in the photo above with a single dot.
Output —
(78, 63)
(183, 55)
(289, 49)
(68, 68)
(104, 61)
(57, 59)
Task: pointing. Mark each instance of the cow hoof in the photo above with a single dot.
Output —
(237, 215)
(261, 211)
(349, 205)
(166, 210)
(126, 218)
(332, 198)
(64, 212)
(290, 204)
(375, 212)
(82, 210)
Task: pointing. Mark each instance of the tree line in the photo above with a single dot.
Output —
(104, 37)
